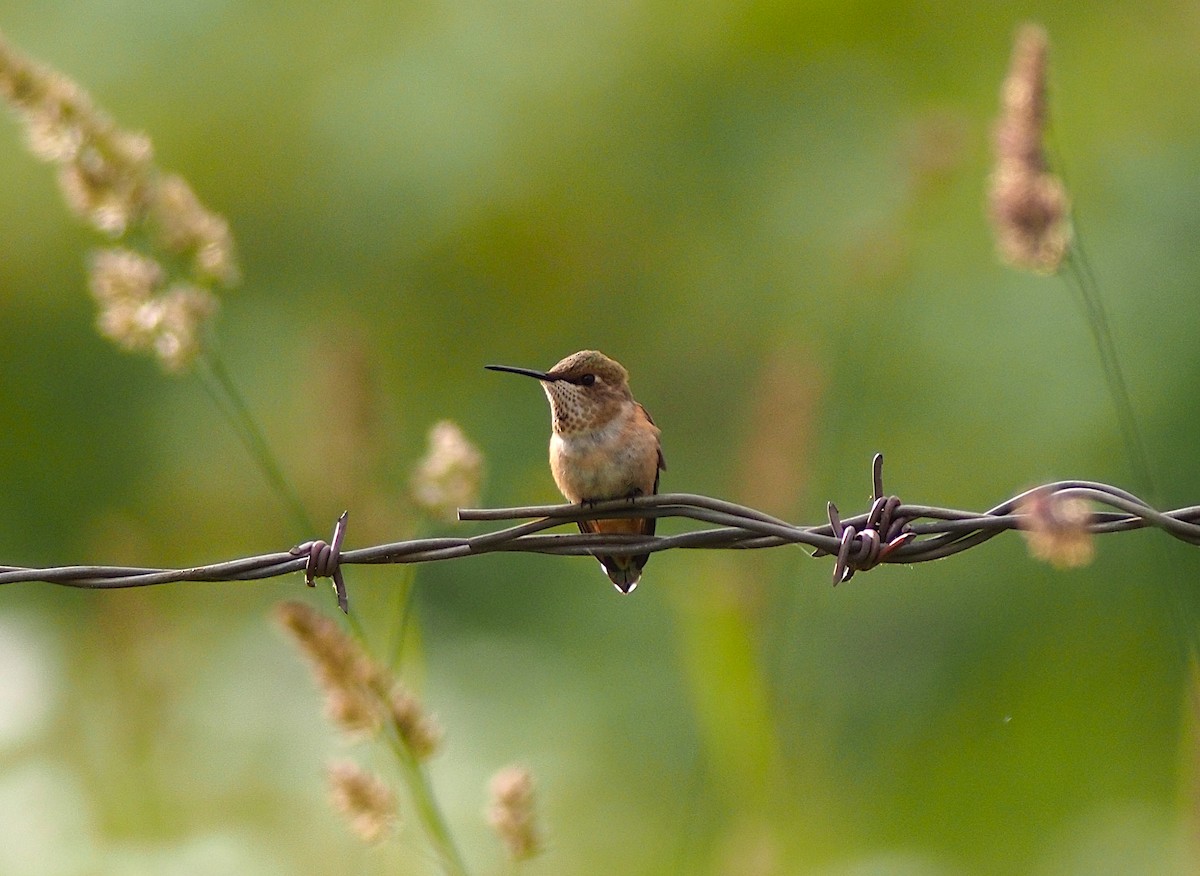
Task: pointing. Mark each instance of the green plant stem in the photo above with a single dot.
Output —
(1087, 290)
(401, 616)
(429, 814)
(229, 400)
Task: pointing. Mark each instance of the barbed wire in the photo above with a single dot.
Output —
(889, 532)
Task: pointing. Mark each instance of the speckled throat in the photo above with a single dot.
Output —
(574, 410)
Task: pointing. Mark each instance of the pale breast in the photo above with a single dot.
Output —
(611, 462)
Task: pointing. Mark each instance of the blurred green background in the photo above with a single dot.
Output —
(772, 214)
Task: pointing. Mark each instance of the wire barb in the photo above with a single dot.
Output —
(884, 531)
(324, 561)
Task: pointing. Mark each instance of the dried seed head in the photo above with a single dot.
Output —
(56, 111)
(105, 173)
(1057, 528)
(360, 693)
(122, 276)
(345, 674)
(510, 812)
(1028, 206)
(1030, 219)
(355, 714)
(1022, 123)
(419, 730)
(52, 130)
(108, 179)
(366, 802)
(183, 312)
(448, 477)
(185, 227)
(133, 313)
(19, 81)
(124, 284)
(106, 185)
(333, 654)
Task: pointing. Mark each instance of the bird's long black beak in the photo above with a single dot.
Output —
(528, 372)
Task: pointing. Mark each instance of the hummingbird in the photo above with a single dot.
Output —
(603, 446)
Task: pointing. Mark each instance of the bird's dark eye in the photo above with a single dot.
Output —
(587, 380)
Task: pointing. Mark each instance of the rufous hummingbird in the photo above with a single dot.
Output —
(603, 446)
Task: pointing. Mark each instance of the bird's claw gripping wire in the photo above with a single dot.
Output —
(883, 531)
(324, 561)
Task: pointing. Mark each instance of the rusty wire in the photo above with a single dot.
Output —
(889, 532)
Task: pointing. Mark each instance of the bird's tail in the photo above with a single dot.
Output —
(623, 570)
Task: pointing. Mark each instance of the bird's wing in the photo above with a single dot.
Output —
(662, 460)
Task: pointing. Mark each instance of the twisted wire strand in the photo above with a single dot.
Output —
(889, 532)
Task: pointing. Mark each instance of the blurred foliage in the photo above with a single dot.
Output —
(772, 214)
